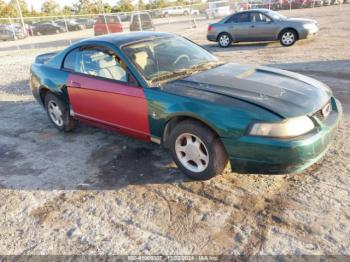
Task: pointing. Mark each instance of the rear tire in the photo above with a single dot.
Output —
(58, 113)
(288, 37)
(224, 40)
(196, 150)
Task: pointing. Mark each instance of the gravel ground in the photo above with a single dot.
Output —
(96, 192)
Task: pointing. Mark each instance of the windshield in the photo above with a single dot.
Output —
(276, 16)
(162, 59)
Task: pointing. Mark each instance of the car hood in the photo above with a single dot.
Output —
(301, 20)
(285, 93)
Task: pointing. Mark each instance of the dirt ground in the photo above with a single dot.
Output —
(97, 192)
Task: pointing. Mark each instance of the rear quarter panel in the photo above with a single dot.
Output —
(53, 79)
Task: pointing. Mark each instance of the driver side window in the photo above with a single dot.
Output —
(259, 18)
(96, 62)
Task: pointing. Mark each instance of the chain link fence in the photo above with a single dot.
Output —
(33, 32)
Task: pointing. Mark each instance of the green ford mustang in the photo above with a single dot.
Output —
(163, 88)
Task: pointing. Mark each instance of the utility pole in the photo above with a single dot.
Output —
(21, 16)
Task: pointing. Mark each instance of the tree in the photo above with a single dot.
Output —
(123, 6)
(67, 10)
(22, 5)
(85, 7)
(141, 5)
(10, 9)
(102, 6)
(50, 7)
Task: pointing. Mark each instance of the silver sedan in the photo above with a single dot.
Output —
(260, 25)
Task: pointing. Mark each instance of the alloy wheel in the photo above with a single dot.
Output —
(55, 113)
(288, 38)
(192, 152)
(224, 40)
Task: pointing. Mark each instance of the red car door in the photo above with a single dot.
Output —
(100, 93)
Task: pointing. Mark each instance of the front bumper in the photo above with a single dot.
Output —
(262, 155)
(308, 33)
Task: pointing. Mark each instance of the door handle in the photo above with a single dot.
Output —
(75, 84)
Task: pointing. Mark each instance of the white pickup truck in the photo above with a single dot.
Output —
(178, 10)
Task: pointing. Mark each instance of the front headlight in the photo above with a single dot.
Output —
(287, 128)
(309, 26)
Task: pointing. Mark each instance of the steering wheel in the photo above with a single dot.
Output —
(181, 57)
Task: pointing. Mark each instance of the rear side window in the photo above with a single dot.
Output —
(69, 61)
(240, 18)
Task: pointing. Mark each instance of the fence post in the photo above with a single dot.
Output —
(104, 17)
(65, 23)
(14, 33)
(168, 15)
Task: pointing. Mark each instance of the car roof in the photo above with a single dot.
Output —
(263, 10)
(120, 39)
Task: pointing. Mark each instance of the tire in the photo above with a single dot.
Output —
(54, 106)
(224, 40)
(205, 149)
(288, 37)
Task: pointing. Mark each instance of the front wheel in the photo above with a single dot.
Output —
(224, 40)
(58, 113)
(288, 37)
(197, 151)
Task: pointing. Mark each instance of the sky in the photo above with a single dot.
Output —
(37, 3)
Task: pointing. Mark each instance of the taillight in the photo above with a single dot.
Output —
(210, 28)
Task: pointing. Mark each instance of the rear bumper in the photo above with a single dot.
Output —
(212, 37)
(261, 155)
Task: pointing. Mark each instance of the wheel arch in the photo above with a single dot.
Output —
(173, 120)
(288, 28)
(223, 32)
(44, 90)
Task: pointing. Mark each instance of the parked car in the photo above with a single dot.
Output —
(7, 34)
(163, 88)
(107, 24)
(179, 10)
(156, 13)
(306, 3)
(72, 25)
(260, 25)
(86, 22)
(218, 9)
(273, 4)
(46, 28)
(143, 18)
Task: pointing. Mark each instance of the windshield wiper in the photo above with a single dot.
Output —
(207, 65)
(173, 74)
(186, 71)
